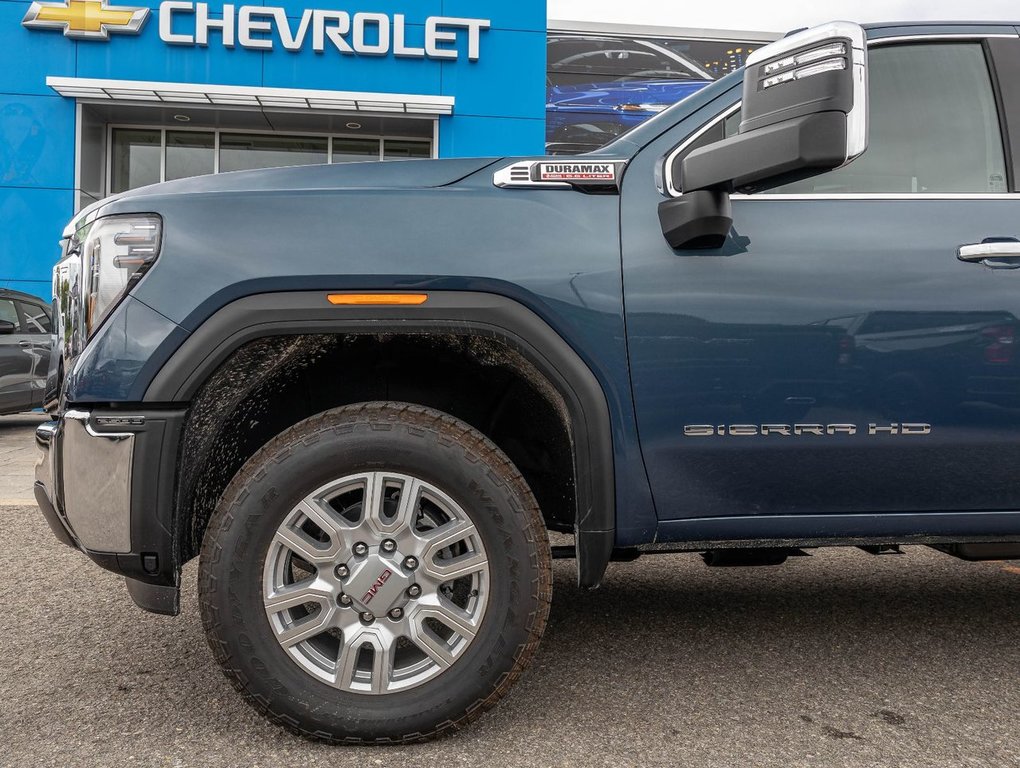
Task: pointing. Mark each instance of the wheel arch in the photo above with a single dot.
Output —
(485, 318)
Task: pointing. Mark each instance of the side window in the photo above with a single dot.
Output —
(35, 318)
(9, 313)
(717, 131)
(934, 126)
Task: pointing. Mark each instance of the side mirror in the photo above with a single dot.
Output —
(6, 326)
(804, 112)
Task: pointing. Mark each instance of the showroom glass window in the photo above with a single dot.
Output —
(396, 149)
(136, 156)
(141, 156)
(189, 153)
(934, 126)
(245, 152)
(353, 150)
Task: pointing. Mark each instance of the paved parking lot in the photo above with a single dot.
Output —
(839, 659)
(17, 457)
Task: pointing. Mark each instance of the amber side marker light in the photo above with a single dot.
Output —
(367, 299)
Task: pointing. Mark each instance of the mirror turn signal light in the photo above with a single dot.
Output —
(377, 299)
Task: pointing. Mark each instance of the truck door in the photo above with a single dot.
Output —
(854, 347)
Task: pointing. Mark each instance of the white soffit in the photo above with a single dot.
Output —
(249, 96)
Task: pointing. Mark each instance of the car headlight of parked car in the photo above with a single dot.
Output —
(115, 252)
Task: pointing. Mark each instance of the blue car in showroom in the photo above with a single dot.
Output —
(602, 86)
(581, 118)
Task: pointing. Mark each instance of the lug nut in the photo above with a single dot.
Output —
(413, 591)
(389, 545)
(410, 563)
(342, 572)
(360, 549)
(396, 613)
(344, 599)
(367, 617)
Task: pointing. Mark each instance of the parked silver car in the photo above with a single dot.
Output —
(25, 342)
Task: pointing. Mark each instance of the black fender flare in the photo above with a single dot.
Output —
(466, 313)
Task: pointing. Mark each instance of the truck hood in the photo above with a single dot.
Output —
(403, 174)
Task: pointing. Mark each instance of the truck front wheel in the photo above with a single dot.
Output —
(378, 572)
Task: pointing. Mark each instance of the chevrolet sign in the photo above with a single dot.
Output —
(367, 34)
(85, 19)
(259, 27)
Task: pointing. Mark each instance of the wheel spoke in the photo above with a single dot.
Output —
(382, 666)
(382, 659)
(446, 612)
(301, 544)
(331, 524)
(455, 617)
(346, 659)
(307, 628)
(454, 568)
(294, 595)
(375, 504)
(312, 590)
(430, 644)
(444, 536)
(410, 498)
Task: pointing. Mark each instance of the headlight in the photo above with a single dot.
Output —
(116, 251)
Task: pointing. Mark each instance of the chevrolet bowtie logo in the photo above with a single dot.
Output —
(86, 19)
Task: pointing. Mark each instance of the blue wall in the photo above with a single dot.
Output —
(500, 99)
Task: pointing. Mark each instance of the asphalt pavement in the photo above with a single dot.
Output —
(17, 457)
(838, 659)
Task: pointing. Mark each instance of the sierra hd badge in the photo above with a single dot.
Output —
(86, 19)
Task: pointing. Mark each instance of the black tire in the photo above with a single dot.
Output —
(372, 436)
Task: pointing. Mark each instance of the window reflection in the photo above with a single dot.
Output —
(135, 157)
(189, 153)
(245, 152)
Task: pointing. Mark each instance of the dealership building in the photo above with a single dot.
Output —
(99, 98)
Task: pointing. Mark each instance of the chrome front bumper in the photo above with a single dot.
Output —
(44, 434)
(105, 484)
(84, 475)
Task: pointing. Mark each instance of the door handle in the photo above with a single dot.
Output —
(25, 344)
(992, 252)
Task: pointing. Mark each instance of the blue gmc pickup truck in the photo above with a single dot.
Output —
(779, 315)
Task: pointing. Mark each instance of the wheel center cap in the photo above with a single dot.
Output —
(376, 583)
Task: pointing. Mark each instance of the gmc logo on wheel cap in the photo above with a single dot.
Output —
(367, 597)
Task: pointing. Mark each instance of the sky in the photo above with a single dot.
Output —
(777, 15)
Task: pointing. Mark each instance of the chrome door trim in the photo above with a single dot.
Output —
(883, 196)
